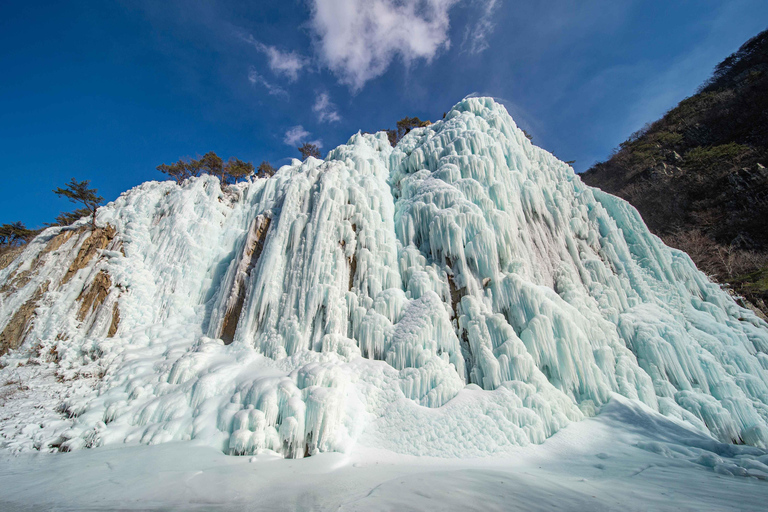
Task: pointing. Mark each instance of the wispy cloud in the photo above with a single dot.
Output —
(295, 135)
(476, 36)
(298, 135)
(274, 90)
(358, 39)
(288, 64)
(325, 110)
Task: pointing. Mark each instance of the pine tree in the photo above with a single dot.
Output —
(307, 150)
(210, 163)
(237, 169)
(265, 170)
(78, 192)
(404, 126)
(67, 218)
(15, 234)
(180, 170)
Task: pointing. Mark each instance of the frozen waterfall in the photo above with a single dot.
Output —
(460, 293)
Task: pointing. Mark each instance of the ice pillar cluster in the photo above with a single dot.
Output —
(458, 294)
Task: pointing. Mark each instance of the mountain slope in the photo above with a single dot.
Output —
(698, 174)
(456, 295)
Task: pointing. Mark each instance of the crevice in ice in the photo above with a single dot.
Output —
(254, 245)
(93, 295)
(352, 260)
(115, 323)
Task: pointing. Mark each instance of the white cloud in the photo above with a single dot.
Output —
(288, 64)
(358, 39)
(325, 110)
(297, 135)
(476, 36)
(274, 90)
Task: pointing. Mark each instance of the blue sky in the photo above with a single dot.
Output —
(106, 91)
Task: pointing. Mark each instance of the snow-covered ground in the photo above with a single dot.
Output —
(628, 458)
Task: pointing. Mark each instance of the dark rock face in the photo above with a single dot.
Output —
(698, 175)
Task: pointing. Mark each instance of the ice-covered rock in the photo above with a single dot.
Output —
(455, 295)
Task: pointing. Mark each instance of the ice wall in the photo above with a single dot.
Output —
(458, 294)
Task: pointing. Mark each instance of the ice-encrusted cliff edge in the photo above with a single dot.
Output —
(458, 294)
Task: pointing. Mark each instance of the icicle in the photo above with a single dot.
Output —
(463, 287)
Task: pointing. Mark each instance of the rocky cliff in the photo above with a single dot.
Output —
(698, 175)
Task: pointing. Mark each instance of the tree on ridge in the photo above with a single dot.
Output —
(210, 163)
(266, 170)
(307, 150)
(78, 192)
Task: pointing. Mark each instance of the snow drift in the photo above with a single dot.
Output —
(460, 293)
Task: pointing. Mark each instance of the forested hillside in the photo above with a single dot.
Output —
(698, 175)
